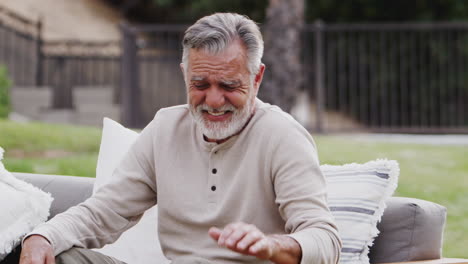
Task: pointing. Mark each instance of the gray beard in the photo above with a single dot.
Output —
(224, 129)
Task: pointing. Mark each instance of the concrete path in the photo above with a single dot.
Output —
(460, 140)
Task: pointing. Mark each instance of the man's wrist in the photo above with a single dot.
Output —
(35, 235)
(285, 249)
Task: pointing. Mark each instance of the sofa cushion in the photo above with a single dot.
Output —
(116, 140)
(356, 196)
(140, 242)
(411, 230)
(23, 207)
(67, 191)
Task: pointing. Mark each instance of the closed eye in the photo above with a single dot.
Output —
(200, 86)
(229, 87)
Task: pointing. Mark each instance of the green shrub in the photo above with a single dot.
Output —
(4, 95)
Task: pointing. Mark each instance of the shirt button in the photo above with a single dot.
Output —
(214, 171)
(213, 188)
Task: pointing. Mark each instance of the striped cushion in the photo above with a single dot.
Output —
(356, 197)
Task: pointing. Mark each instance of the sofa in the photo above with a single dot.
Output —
(410, 229)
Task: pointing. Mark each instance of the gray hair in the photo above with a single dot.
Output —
(216, 32)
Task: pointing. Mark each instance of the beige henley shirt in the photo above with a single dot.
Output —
(268, 175)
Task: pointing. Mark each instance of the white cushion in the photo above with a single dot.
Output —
(139, 244)
(22, 208)
(356, 197)
(116, 140)
(357, 194)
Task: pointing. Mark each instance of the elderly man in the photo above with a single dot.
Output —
(236, 180)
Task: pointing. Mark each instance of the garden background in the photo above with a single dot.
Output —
(429, 170)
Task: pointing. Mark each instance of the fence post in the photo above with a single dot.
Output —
(130, 95)
(39, 55)
(319, 80)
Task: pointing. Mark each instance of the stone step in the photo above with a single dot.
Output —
(92, 104)
(91, 96)
(28, 101)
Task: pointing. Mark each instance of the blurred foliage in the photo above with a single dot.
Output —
(330, 11)
(187, 11)
(4, 94)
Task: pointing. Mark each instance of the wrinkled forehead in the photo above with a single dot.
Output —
(231, 59)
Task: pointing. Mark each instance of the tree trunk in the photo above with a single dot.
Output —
(282, 36)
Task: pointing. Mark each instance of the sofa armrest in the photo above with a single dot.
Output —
(434, 261)
(411, 229)
(67, 191)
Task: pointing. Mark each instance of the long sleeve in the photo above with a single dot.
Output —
(114, 208)
(301, 196)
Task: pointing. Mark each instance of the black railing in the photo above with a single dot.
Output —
(66, 66)
(19, 45)
(391, 77)
(407, 77)
(61, 65)
(151, 76)
(361, 77)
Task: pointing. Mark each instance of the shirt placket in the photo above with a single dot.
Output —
(213, 177)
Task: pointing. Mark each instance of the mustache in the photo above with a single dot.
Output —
(226, 107)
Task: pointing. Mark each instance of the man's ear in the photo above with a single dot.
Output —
(259, 76)
(182, 69)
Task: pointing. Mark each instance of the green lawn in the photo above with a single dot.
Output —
(52, 149)
(436, 173)
(430, 172)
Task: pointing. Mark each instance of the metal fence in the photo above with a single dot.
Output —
(67, 65)
(389, 77)
(61, 65)
(151, 76)
(361, 77)
(19, 45)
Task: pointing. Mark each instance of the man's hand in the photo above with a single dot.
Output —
(37, 250)
(249, 240)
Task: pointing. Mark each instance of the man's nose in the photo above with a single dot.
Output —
(214, 97)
